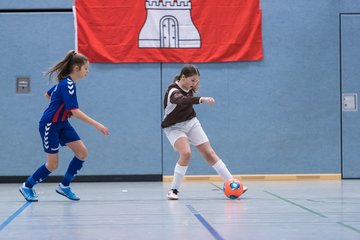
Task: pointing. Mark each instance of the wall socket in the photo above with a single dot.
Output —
(349, 102)
(23, 84)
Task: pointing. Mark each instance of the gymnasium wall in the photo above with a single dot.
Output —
(276, 116)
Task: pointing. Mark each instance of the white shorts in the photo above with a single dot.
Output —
(190, 129)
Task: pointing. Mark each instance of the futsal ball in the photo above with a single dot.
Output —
(233, 188)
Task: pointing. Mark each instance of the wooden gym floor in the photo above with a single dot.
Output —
(297, 209)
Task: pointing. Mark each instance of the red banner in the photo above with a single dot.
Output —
(123, 31)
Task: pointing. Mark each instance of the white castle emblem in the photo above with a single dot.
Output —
(169, 25)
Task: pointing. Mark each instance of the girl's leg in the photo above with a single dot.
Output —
(183, 148)
(213, 159)
(76, 163)
(38, 176)
(43, 172)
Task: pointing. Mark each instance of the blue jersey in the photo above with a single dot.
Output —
(62, 100)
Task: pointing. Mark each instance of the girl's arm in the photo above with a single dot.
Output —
(82, 116)
(46, 95)
(177, 98)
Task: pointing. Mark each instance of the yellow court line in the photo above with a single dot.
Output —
(260, 177)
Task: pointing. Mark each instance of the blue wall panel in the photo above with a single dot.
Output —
(350, 50)
(35, 4)
(30, 44)
(349, 6)
(279, 115)
(126, 98)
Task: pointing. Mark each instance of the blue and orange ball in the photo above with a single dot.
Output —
(233, 188)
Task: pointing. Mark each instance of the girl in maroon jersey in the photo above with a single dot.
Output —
(182, 128)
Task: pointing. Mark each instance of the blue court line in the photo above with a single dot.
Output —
(202, 220)
(15, 214)
(316, 213)
(349, 227)
(295, 204)
(220, 188)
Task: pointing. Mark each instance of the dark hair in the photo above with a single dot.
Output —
(188, 70)
(65, 66)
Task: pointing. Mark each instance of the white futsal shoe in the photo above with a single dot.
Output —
(173, 194)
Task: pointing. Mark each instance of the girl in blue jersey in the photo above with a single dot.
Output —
(55, 129)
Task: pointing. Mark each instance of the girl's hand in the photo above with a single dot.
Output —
(209, 100)
(82, 116)
(104, 130)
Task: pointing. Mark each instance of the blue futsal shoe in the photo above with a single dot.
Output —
(66, 191)
(28, 193)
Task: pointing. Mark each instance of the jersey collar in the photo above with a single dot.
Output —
(177, 83)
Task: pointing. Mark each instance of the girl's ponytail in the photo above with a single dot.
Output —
(64, 67)
(176, 78)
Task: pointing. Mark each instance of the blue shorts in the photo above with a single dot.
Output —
(55, 134)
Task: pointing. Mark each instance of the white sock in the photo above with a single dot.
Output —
(222, 170)
(179, 173)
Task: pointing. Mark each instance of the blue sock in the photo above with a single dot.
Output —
(74, 167)
(38, 176)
